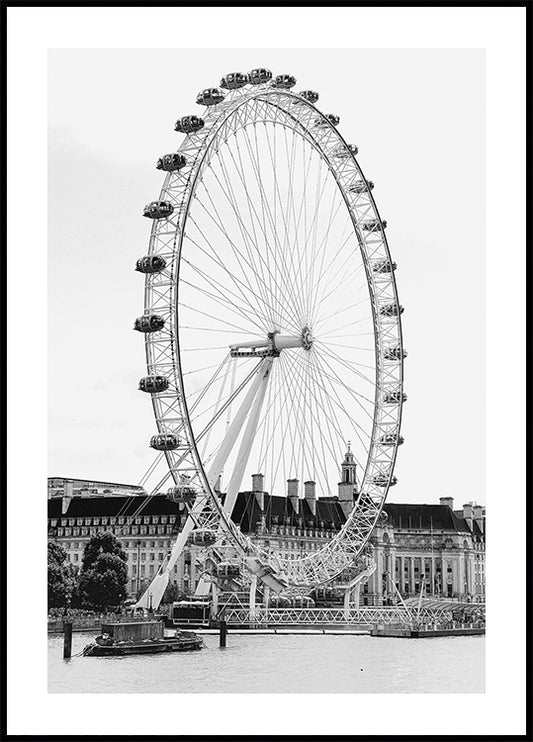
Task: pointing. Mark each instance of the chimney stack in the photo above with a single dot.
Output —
(67, 496)
(310, 495)
(292, 493)
(258, 489)
(478, 517)
(468, 514)
(447, 501)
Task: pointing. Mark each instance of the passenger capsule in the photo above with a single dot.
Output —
(381, 480)
(394, 353)
(391, 310)
(322, 121)
(158, 209)
(182, 494)
(169, 163)
(226, 569)
(202, 537)
(391, 439)
(149, 323)
(394, 397)
(234, 80)
(153, 384)
(165, 442)
(384, 266)
(259, 76)
(150, 264)
(284, 81)
(309, 95)
(375, 225)
(350, 150)
(189, 124)
(361, 186)
(210, 97)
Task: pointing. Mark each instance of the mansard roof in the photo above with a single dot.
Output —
(86, 507)
(438, 517)
(247, 513)
(278, 510)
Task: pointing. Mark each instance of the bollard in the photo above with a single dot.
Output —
(67, 639)
(223, 632)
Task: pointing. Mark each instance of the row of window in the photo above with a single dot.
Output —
(307, 546)
(118, 531)
(151, 570)
(133, 556)
(159, 544)
(121, 520)
(295, 531)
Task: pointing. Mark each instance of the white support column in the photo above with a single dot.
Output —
(253, 588)
(236, 425)
(158, 585)
(214, 603)
(248, 438)
(347, 596)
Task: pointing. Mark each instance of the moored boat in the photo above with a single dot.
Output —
(122, 639)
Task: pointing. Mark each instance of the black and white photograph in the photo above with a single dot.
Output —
(269, 428)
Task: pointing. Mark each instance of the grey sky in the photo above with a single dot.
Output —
(418, 119)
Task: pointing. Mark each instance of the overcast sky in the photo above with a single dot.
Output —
(418, 120)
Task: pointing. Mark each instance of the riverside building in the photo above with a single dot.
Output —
(432, 547)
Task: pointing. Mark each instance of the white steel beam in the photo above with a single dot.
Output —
(248, 438)
(236, 425)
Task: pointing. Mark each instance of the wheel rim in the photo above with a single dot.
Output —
(171, 294)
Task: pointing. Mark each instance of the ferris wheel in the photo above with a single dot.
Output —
(271, 321)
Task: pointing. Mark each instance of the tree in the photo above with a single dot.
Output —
(103, 542)
(104, 572)
(62, 577)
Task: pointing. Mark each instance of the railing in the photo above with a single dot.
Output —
(317, 616)
(362, 616)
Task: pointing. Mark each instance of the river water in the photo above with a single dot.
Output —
(279, 664)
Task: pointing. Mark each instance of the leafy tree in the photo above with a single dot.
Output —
(62, 577)
(56, 577)
(100, 543)
(104, 572)
(73, 575)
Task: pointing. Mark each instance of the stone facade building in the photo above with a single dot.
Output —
(433, 546)
(414, 546)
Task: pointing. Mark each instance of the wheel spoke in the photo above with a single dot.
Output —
(270, 294)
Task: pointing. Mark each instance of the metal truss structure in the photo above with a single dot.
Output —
(353, 615)
(284, 340)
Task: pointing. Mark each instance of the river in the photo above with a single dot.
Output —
(279, 664)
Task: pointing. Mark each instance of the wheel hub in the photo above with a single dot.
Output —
(274, 343)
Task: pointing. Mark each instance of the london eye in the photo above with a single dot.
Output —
(272, 324)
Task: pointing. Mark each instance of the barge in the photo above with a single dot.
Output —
(413, 633)
(141, 637)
